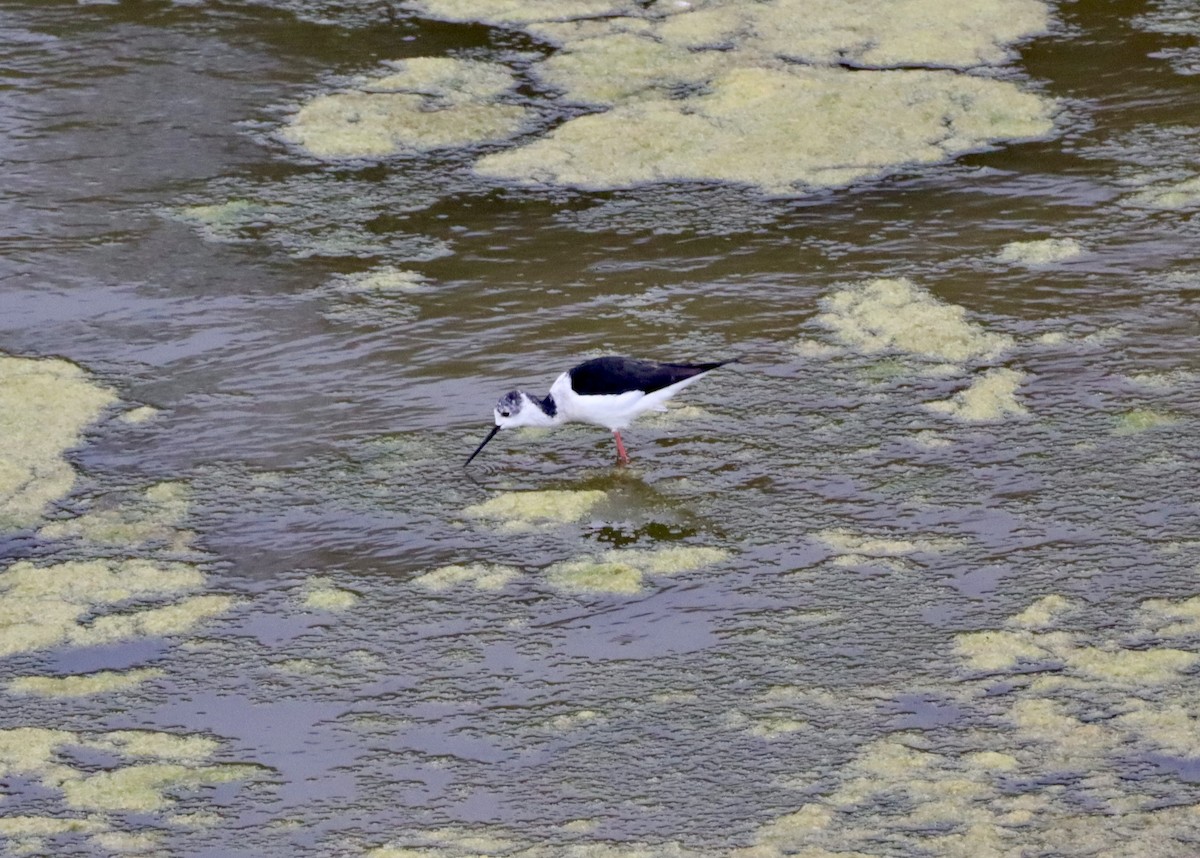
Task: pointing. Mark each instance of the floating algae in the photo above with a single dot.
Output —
(145, 787)
(1142, 420)
(27, 835)
(895, 315)
(1123, 666)
(1014, 784)
(482, 576)
(754, 126)
(852, 549)
(154, 767)
(321, 594)
(1173, 618)
(154, 515)
(595, 576)
(44, 606)
(872, 33)
(1047, 251)
(44, 406)
(519, 12)
(100, 682)
(992, 396)
(1168, 195)
(425, 103)
(718, 91)
(480, 843)
(141, 414)
(524, 510)
(1042, 613)
(317, 214)
(384, 279)
(623, 571)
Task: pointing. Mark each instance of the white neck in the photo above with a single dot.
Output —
(538, 417)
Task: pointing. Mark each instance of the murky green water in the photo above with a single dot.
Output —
(917, 576)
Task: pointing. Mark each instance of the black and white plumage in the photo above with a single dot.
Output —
(607, 391)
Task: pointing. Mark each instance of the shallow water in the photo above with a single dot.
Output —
(809, 684)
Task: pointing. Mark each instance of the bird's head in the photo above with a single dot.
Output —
(515, 409)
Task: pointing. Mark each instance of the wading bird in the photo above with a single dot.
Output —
(607, 391)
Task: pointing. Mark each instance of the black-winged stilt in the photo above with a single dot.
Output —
(606, 391)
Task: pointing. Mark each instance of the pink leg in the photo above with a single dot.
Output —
(622, 456)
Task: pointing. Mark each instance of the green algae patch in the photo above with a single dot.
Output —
(145, 787)
(46, 826)
(1042, 613)
(1142, 667)
(853, 549)
(595, 576)
(882, 33)
(1173, 617)
(727, 91)
(573, 720)
(381, 280)
(992, 396)
(229, 218)
(486, 841)
(44, 407)
(1142, 420)
(157, 744)
(1169, 196)
(673, 560)
(321, 594)
(85, 685)
(754, 126)
(1047, 251)
(524, 510)
(139, 415)
(174, 619)
(519, 12)
(995, 785)
(44, 606)
(163, 764)
(612, 67)
(155, 515)
(1174, 728)
(130, 842)
(776, 728)
(1003, 650)
(425, 103)
(26, 835)
(896, 315)
(622, 571)
(481, 576)
(850, 542)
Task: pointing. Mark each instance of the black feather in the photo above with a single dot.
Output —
(608, 376)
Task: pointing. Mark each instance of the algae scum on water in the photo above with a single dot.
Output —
(84, 603)
(715, 92)
(916, 576)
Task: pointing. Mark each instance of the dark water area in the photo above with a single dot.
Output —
(786, 654)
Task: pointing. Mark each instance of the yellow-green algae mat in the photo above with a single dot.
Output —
(751, 93)
(44, 407)
(1079, 707)
(155, 769)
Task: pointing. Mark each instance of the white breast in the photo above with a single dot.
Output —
(614, 411)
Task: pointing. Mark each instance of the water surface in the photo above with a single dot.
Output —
(815, 688)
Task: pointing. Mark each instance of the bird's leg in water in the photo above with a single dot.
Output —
(622, 456)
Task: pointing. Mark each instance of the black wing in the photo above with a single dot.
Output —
(615, 375)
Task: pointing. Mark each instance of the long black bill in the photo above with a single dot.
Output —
(490, 436)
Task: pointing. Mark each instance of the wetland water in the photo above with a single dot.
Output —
(920, 575)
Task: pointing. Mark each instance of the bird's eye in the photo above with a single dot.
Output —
(504, 414)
